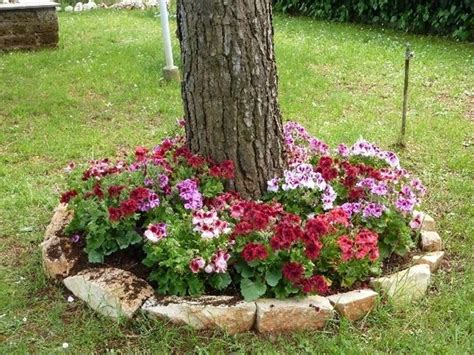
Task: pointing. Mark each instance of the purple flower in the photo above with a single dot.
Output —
(75, 238)
(343, 150)
(368, 183)
(163, 181)
(373, 209)
(416, 222)
(272, 185)
(156, 232)
(189, 193)
(380, 189)
(303, 176)
(405, 204)
(352, 208)
(148, 181)
(328, 197)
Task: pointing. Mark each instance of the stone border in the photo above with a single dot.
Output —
(118, 293)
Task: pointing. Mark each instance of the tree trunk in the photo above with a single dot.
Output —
(229, 88)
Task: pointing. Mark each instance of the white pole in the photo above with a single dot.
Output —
(170, 71)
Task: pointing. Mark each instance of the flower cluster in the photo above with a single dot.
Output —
(328, 221)
(364, 244)
(208, 224)
(155, 232)
(189, 193)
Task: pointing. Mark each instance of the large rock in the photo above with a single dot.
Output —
(58, 253)
(427, 222)
(355, 304)
(432, 259)
(206, 312)
(430, 241)
(110, 291)
(60, 258)
(60, 220)
(405, 286)
(277, 316)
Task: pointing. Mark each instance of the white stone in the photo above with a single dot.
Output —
(78, 7)
(206, 312)
(89, 6)
(278, 316)
(433, 259)
(69, 8)
(405, 286)
(110, 291)
(430, 241)
(355, 304)
(427, 222)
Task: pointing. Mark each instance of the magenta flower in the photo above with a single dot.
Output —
(156, 232)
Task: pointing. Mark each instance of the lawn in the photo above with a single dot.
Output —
(101, 92)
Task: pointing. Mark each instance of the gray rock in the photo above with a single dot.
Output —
(278, 316)
(355, 304)
(110, 291)
(405, 286)
(427, 222)
(430, 241)
(206, 312)
(433, 259)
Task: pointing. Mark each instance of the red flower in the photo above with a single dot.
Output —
(115, 190)
(254, 251)
(316, 227)
(346, 244)
(287, 232)
(338, 216)
(293, 271)
(315, 284)
(325, 162)
(115, 214)
(67, 196)
(224, 170)
(313, 249)
(139, 194)
(140, 153)
(367, 244)
(97, 191)
(128, 207)
(356, 194)
(196, 161)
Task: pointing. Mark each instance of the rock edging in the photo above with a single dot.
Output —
(118, 293)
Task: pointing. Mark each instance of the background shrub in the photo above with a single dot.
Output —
(442, 17)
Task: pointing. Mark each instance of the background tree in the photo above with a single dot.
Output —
(229, 88)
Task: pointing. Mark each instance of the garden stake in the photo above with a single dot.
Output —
(408, 56)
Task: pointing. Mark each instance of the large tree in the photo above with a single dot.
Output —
(229, 88)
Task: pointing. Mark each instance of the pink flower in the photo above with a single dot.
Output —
(209, 225)
(219, 260)
(416, 222)
(155, 232)
(197, 264)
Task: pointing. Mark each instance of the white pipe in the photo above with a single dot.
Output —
(165, 27)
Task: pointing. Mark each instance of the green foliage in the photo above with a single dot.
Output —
(453, 18)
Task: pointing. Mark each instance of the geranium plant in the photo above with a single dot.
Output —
(328, 222)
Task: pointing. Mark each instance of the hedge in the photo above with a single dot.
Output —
(440, 17)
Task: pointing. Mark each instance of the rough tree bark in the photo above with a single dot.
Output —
(229, 88)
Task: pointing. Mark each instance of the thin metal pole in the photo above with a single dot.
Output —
(408, 56)
(165, 27)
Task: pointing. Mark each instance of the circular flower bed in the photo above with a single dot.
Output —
(332, 221)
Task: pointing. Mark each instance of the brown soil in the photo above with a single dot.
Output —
(128, 259)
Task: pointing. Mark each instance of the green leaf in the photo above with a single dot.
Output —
(195, 286)
(246, 271)
(273, 276)
(95, 256)
(220, 281)
(251, 290)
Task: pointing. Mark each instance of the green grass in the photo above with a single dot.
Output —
(101, 91)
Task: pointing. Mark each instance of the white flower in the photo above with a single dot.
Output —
(65, 345)
(70, 299)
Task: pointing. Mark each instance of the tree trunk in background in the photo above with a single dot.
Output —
(230, 89)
